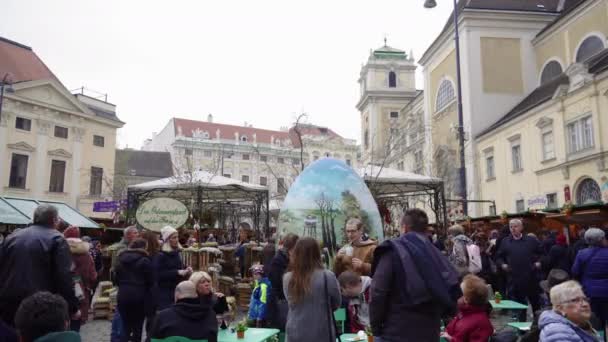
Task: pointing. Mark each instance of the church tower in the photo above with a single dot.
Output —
(387, 84)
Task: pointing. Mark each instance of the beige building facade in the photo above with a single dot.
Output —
(552, 146)
(54, 145)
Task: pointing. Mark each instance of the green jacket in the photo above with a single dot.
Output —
(61, 336)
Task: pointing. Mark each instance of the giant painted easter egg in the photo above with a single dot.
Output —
(323, 197)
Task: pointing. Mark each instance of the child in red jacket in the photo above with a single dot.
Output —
(472, 324)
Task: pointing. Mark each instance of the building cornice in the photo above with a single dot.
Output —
(22, 146)
(564, 21)
(381, 95)
(595, 156)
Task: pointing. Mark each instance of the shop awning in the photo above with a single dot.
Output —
(19, 211)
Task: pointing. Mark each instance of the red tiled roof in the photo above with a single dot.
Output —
(227, 131)
(307, 129)
(21, 62)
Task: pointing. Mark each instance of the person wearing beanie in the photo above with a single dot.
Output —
(557, 258)
(169, 268)
(259, 296)
(83, 273)
(188, 317)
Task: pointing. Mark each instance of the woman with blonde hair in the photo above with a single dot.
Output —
(204, 288)
(169, 267)
(569, 321)
(312, 293)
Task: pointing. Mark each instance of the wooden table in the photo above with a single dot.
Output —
(507, 305)
(251, 335)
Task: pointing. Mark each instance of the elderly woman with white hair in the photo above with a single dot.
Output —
(204, 288)
(591, 269)
(169, 267)
(569, 319)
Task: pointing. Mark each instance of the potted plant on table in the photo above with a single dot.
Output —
(369, 333)
(497, 297)
(241, 327)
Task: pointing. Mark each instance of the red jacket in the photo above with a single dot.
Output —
(472, 324)
(85, 268)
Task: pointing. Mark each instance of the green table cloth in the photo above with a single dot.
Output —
(352, 337)
(508, 305)
(251, 335)
(522, 326)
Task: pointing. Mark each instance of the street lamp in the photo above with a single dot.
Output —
(9, 89)
(462, 171)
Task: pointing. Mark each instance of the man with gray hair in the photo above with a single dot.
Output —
(189, 317)
(518, 256)
(591, 269)
(36, 259)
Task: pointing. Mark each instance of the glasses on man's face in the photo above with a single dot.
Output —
(577, 300)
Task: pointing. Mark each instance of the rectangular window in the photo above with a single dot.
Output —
(245, 178)
(188, 151)
(98, 140)
(580, 134)
(520, 206)
(348, 162)
(227, 175)
(61, 132)
(245, 156)
(207, 154)
(413, 138)
(418, 162)
(263, 181)
(552, 201)
(281, 160)
(394, 115)
(315, 158)
(295, 161)
(57, 176)
(23, 124)
(96, 181)
(516, 157)
(400, 166)
(264, 158)
(281, 186)
(548, 146)
(18, 171)
(490, 167)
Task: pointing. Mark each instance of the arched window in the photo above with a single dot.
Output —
(589, 47)
(550, 72)
(392, 79)
(588, 192)
(244, 138)
(445, 95)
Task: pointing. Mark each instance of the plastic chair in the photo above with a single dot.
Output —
(340, 317)
(175, 339)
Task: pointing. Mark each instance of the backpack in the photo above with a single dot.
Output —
(474, 257)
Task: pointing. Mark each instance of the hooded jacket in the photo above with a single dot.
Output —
(167, 263)
(190, 318)
(362, 250)
(591, 268)
(135, 278)
(458, 255)
(358, 307)
(83, 271)
(557, 328)
(472, 324)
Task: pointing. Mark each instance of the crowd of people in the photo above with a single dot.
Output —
(416, 287)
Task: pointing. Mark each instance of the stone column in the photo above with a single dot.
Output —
(4, 153)
(40, 167)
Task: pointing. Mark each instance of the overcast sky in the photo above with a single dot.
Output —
(255, 61)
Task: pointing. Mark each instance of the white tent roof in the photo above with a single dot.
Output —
(383, 180)
(198, 178)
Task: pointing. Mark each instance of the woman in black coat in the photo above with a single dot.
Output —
(202, 282)
(169, 268)
(135, 282)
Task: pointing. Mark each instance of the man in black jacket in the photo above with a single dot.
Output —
(189, 317)
(518, 257)
(36, 259)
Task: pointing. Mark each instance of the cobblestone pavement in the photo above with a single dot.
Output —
(96, 331)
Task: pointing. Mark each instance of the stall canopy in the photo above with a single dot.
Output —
(19, 211)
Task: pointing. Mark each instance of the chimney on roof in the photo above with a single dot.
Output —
(245, 124)
(210, 118)
(561, 5)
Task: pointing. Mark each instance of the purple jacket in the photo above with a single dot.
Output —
(591, 268)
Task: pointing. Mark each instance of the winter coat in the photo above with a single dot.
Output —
(116, 249)
(520, 255)
(472, 324)
(557, 328)
(219, 305)
(591, 268)
(187, 318)
(358, 307)
(402, 308)
(278, 266)
(166, 267)
(459, 257)
(309, 319)
(558, 257)
(135, 279)
(259, 299)
(84, 271)
(60, 336)
(362, 250)
(35, 259)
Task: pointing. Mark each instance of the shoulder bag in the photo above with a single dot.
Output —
(331, 321)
